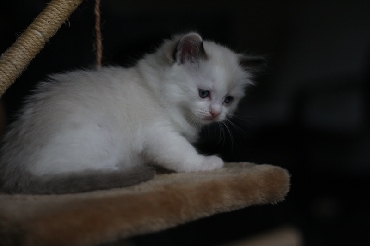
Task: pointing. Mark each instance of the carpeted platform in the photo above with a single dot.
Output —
(166, 201)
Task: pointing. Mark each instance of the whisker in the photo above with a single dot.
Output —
(193, 120)
(221, 136)
(231, 136)
(237, 128)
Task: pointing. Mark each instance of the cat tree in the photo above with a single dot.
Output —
(103, 216)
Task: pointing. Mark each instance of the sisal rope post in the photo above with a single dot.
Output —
(99, 46)
(16, 58)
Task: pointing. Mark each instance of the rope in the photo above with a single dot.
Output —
(99, 46)
(16, 58)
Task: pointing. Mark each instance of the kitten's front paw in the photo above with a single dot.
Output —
(212, 162)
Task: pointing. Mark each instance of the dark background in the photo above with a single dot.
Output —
(308, 113)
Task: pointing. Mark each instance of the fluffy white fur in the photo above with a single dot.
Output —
(117, 118)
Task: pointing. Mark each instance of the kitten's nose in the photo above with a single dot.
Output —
(214, 113)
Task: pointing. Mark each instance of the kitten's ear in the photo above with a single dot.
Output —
(252, 63)
(189, 49)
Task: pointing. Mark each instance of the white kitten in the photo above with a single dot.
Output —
(88, 130)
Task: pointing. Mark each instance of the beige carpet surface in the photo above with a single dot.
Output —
(168, 200)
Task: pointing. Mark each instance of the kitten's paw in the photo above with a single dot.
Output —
(211, 163)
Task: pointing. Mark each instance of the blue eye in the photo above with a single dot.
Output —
(203, 93)
(228, 99)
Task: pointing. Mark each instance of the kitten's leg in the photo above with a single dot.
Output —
(173, 151)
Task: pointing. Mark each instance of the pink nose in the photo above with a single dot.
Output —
(214, 113)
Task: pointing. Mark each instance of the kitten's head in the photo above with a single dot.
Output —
(207, 79)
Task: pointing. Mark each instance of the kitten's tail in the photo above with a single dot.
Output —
(81, 182)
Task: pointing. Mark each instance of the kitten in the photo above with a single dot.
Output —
(99, 129)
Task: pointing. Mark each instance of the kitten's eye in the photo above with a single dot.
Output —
(203, 93)
(228, 99)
